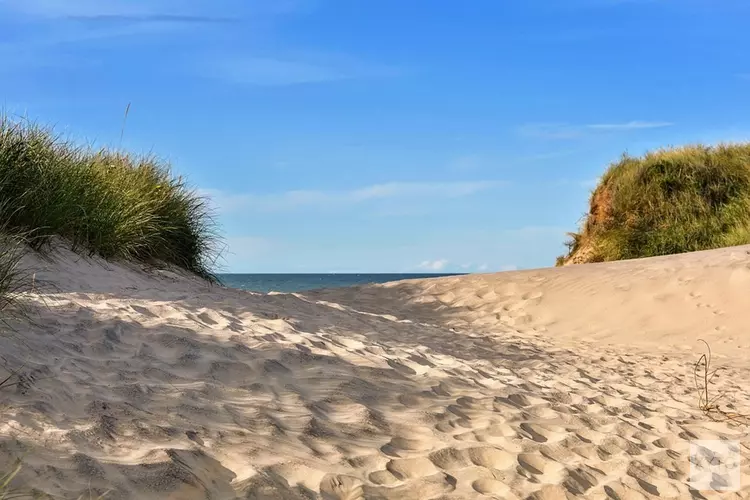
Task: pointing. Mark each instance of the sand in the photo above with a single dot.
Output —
(556, 383)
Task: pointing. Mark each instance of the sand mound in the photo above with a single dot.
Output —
(659, 302)
(558, 383)
(666, 202)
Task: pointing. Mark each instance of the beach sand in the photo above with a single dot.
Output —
(572, 382)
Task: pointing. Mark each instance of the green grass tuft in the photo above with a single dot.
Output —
(12, 279)
(669, 201)
(104, 202)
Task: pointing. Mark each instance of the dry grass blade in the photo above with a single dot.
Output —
(6, 382)
(124, 120)
(703, 376)
(13, 280)
(5, 481)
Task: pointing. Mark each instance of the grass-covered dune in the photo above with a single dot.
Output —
(104, 202)
(666, 202)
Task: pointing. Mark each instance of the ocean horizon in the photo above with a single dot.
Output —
(300, 282)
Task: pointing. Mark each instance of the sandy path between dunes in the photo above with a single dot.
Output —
(557, 383)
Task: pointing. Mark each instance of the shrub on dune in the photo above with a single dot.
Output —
(666, 202)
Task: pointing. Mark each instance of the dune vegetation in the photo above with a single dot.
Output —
(667, 202)
(102, 201)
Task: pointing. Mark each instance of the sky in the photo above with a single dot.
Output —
(388, 135)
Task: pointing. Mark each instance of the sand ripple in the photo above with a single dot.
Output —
(165, 388)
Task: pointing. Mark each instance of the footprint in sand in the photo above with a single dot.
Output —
(532, 296)
(450, 459)
(434, 486)
(402, 447)
(493, 487)
(491, 458)
(338, 487)
(410, 468)
(540, 467)
(383, 477)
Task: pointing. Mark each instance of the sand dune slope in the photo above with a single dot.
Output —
(560, 383)
(657, 302)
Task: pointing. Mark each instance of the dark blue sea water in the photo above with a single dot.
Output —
(300, 282)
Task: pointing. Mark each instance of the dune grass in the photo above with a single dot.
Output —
(104, 202)
(12, 278)
(666, 202)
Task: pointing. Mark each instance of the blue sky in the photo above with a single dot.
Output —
(388, 135)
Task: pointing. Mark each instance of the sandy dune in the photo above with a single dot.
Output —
(557, 383)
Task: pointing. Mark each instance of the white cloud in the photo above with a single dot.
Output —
(165, 10)
(87, 21)
(266, 71)
(429, 189)
(433, 265)
(74, 8)
(551, 155)
(58, 23)
(279, 70)
(570, 131)
(290, 200)
(550, 130)
(482, 267)
(631, 125)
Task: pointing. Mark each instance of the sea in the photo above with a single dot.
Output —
(288, 283)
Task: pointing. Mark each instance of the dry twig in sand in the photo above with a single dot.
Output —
(707, 404)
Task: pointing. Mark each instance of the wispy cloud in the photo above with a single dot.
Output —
(550, 130)
(568, 131)
(280, 70)
(48, 30)
(155, 18)
(51, 22)
(291, 200)
(77, 8)
(183, 11)
(49, 25)
(632, 125)
(551, 155)
(433, 265)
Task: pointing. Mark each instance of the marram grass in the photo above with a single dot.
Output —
(667, 202)
(104, 202)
